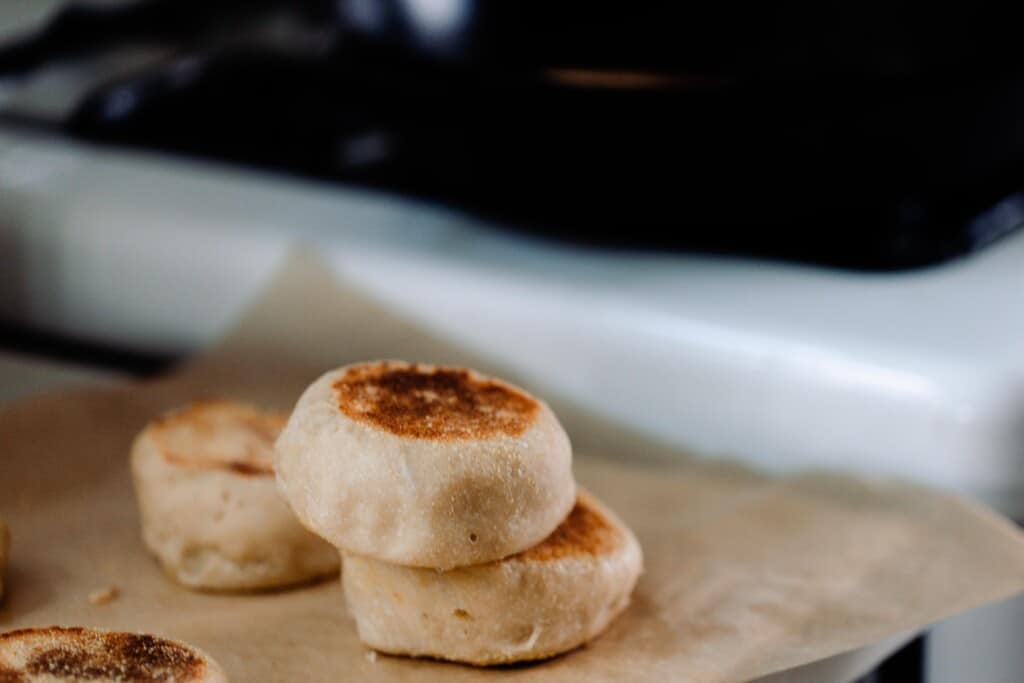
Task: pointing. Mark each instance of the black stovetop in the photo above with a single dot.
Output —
(840, 134)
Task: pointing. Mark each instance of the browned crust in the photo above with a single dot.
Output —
(586, 532)
(81, 654)
(205, 417)
(10, 675)
(247, 469)
(428, 402)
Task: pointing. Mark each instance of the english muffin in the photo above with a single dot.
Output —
(424, 465)
(211, 510)
(51, 655)
(549, 599)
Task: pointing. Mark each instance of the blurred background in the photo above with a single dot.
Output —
(792, 229)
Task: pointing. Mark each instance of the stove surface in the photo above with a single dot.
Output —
(839, 157)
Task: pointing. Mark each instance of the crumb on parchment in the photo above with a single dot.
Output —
(102, 596)
(371, 656)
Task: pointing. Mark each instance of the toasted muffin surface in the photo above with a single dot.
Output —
(429, 402)
(585, 532)
(82, 654)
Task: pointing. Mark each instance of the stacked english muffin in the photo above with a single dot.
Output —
(451, 498)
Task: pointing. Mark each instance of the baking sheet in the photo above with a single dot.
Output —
(745, 574)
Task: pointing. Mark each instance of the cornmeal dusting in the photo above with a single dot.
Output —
(78, 654)
(438, 403)
(584, 532)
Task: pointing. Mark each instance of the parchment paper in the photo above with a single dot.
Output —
(745, 574)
